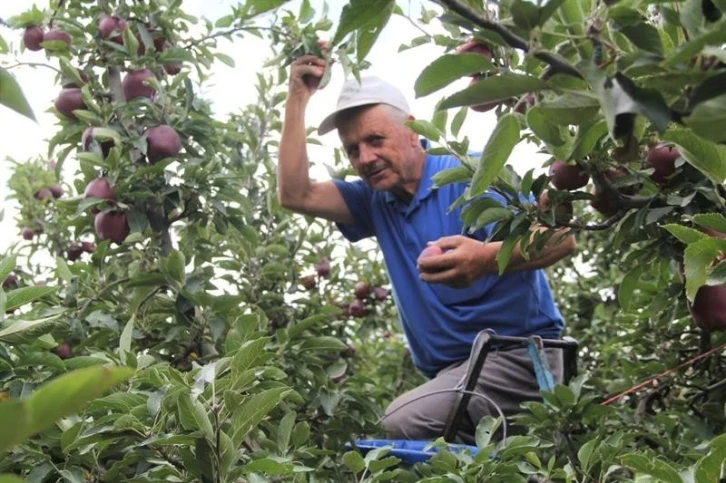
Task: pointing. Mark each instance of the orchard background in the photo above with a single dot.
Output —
(165, 320)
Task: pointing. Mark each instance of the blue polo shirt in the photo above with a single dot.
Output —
(441, 322)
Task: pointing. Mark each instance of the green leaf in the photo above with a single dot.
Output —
(714, 221)
(173, 266)
(505, 253)
(15, 421)
(494, 88)
(69, 393)
(543, 128)
(357, 14)
(19, 330)
(458, 121)
(587, 138)
(570, 109)
(11, 95)
(496, 152)
(697, 258)
(585, 453)
(628, 286)
(284, 431)
(300, 434)
(323, 343)
(448, 68)
(254, 408)
(6, 478)
(704, 155)
(7, 265)
(124, 344)
(489, 216)
(225, 58)
(354, 461)
(196, 415)
(248, 354)
(367, 35)
(644, 36)
(708, 119)
(459, 174)
(425, 129)
(24, 295)
(683, 233)
(685, 51)
(269, 466)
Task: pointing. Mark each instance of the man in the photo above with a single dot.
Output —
(443, 301)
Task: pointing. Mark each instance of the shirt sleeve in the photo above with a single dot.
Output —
(358, 197)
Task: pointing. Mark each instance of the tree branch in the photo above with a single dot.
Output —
(512, 39)
(230, 32)
(33, 64)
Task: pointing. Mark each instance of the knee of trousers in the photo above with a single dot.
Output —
(396, 424)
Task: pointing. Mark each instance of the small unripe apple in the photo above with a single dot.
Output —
(32, 37)
(361, 290)
(357, 308)
(55, 34)
(112, 225)
(28, 233)
(99, 188)
(74, 252)
(162, 142)
(43, 193)
(568, 176)
(63, 350)
(56, 190)
(380, 293)
(133, 84)
(10, 282)
(323, 267)
(308, 282)
(69, 100)
(663, 160)
(108, 24)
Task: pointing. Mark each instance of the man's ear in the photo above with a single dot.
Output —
(412, 134)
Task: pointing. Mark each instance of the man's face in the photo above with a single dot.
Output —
(380, 148)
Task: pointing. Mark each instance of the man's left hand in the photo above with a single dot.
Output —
(464, 261)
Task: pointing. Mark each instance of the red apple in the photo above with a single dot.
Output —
(88, 247)
(108, 24)
(709, 307)
(43, 193)
(28, 233)
(56, 190)
(663, 160)
(69, 100)
(99, 188)
(10, 282)
(55, 34)
(362, 290)
(568, 176)
(323, 267)
(475, 47)
(74, 252)
(308, 282)
(380, 293)
(431, 251)
(174, 69)
(162, 142)
(357, 308)
(32, 37)
(604, 202)
(63, 350)
(525, 103)
(133, 84)
(386, 334)
(112, 225)
(87, 141)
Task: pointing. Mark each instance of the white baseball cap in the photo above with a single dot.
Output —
(370, 90)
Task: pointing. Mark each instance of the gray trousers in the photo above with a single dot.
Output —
(508, 378)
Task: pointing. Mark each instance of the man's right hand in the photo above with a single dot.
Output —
(305, 76)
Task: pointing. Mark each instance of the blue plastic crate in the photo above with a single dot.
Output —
(409, 451)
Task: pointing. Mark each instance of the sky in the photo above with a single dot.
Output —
(23, 139)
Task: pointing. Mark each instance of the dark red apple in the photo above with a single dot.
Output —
(63, 350)
(662, 158)
(323, 267)
(709, 307)
(524, 104)
(604, 202)
(28, 233)
(10, 282)
(87, 140)
(32, 37)
(88, 247)
(568, 176)
(55, 34)
(361, 290)
(74, 252)
(380, 293)
(308, 282)
(99, 188)
(133, 84)
(475, 47)
(174, 69)
(162, 142)
(431, 251)
(43, 193)
(386, 334)
(108, 24)
(357, 308)
(112, 225)
(69, 100)
(56, 190)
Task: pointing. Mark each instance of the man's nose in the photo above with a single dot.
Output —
(367, 155)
